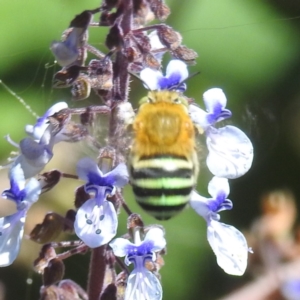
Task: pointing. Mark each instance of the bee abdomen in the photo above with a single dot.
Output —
(162, 184)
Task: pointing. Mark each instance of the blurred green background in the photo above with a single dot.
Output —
(249, 48)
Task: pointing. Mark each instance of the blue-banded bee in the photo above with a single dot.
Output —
(163, 161)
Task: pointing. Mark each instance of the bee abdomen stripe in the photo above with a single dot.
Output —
(168, 164)
(144, 173)
(164, 183)
(165, 201)
(161, 193)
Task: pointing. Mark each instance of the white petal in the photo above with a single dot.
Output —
(230, 247)
(199, 204)
(16, 174)
(217, 185)
(36, 154)
(11, 233)
(156, 235)
(230, 152)
(143, 286)
(29, 169)
(119, 175)
(96, 225)
(120, 246)
(213, 97)
(177, 66)
(155, 41)
(198, 116)
(33, 190)
(151, 78)
(87, 166)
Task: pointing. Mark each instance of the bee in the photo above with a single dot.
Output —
(163, 160)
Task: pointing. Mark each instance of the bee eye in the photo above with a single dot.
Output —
(177, 100)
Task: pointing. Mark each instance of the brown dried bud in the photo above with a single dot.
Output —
(48, 180)
(81, 196)
(160, 9)
(54, 272)
(107, 18)
(151, 62)
(46, 254)
(142, 40)
(121, 285)
(109, 293)
(114, 39)
(134, 222)
(81, 88)
(132, 54)
(66, 77)
(49, 230)
(82, 20)
(69, 220)
(169, 37)
(185, 54)
(66, 289)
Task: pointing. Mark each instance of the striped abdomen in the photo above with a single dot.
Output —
(162, 184)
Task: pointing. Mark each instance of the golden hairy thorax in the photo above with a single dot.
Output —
(163, 126)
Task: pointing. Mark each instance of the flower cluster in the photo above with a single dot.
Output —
(94, 219)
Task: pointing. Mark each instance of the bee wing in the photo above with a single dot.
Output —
(11, 233)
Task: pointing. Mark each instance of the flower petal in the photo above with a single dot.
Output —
(37, 130)
(32, 190)
(155, 235)
(218, 186)
(119, 176)
(177, 71)
(88, 170)
(11, 233)
(198, 116)
(200, 204)
(230, 247)
(96, 225)
(143, 285)
(151, 78)
(230, 152)
(120, 246)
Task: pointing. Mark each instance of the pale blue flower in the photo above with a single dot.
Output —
(230, 150)
(176, 73)
(96, 220)
(12, 226)
(34, 155)
(37, 130)
(141, 284)
(291, 289)
(228, 243)
(66, 52)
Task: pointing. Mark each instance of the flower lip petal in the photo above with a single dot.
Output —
(230, 152)
(155, 239)
(120, 246)
(96, 225)
(118, 177)
(230, 247)
(218, 186)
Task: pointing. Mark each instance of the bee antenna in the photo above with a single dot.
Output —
(139, 78)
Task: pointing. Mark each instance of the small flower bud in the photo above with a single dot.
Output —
(66, 77)
(169, 37)
(160, 9)
(109, 293)
(185, 54)
(49, 180)
(49, 230)
(80, 196)
(82, 20)
(114, 39)
(54, 272)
